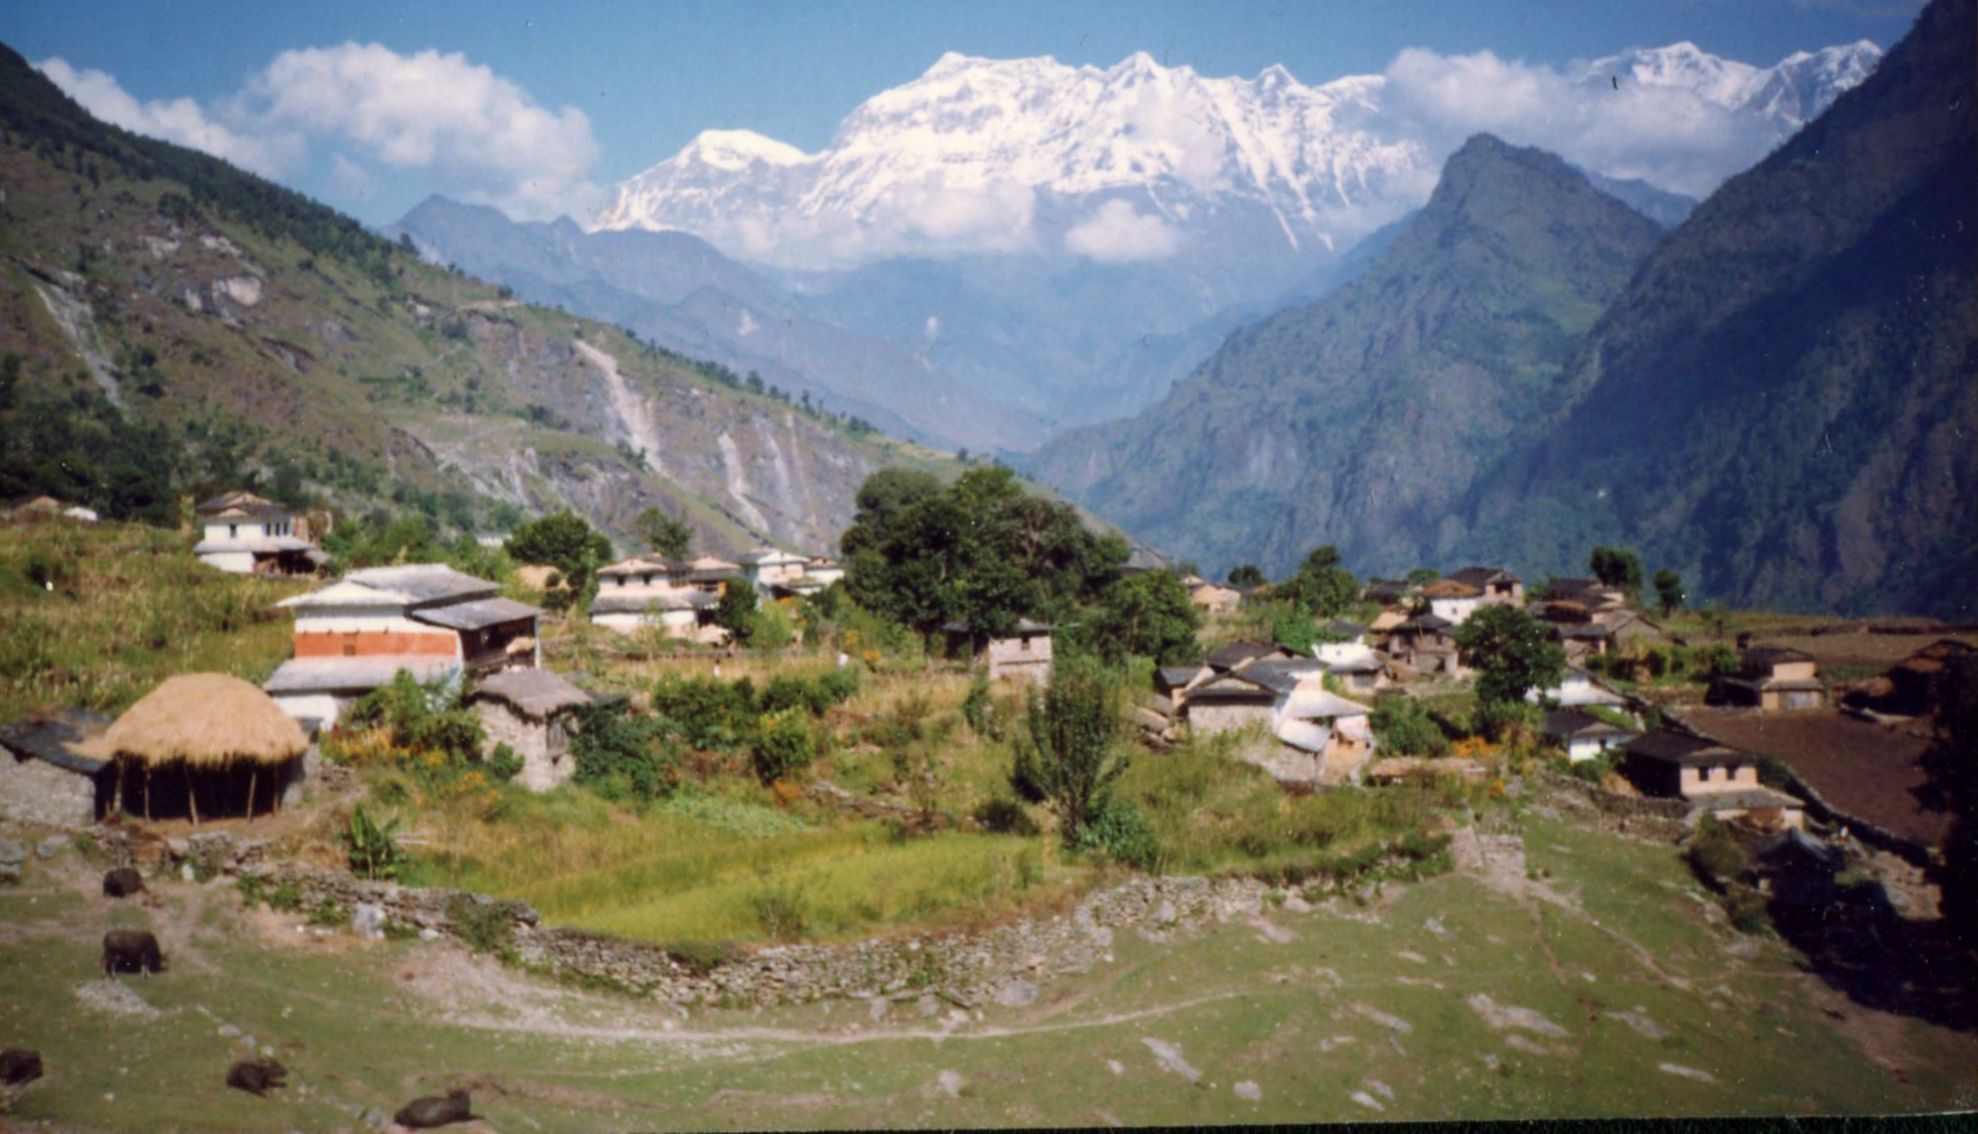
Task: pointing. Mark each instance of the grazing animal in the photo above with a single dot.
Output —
(131, 950)
(256, 1076)
(17, 1067)
(428, 1111)
(123, 882)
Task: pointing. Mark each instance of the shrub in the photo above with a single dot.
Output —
(978, 707)
(1066, 757)
(782, 912)
(1715, 854)
(783, 744)
(1122, 833)
(1402, 726)
(616, 753)
(484, 926)
(329, 915)
(419, 719)
(1746, 909)
(504, 764)
(1004, 816)
(372, 847)
(710, 713)
(702, 957)
(285, 898)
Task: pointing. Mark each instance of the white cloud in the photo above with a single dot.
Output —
(1668, 135)
(1116, 232)
(466, 130)
(177, 120)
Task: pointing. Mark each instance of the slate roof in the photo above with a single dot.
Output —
(1690, 751)
(55, 739)
(1232, 686)
(1359, 663)
(1177, 676)
(1239, 653)
(1760, 658)
(253, 543)
(424, 582)
(1433, 623)
(1480, 577)
(1385, 591)
(642, 601)
(537, 692)
(475, 614)
(1451, 588)
(345, 675)
(645, 565)
(1023, 626)
(1571, 723)
(767, 556)
(1743, 799)
(1318, 704)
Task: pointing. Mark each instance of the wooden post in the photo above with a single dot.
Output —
(147, 793)
(191, 800)
(253, 771)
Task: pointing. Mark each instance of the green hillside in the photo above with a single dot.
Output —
(176, 325)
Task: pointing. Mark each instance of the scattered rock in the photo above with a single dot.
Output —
(1393, 1023)
(1492, 1062)
(877, 1009)
(1680, 1071)
(12, 853)
(115, 998)
(1516, 1042)
(1640, 1022)
(1330, 1042)
(368, 920)
(1381, 1089)
(1296, 904)
(1270, 931)
(1017, 994)
(1411, 955)
(1366, 1100)
(950, 1083)
(1166, 914)
(1115, 1066)
(429, 934)
(1249, 1091)
(1436, 927)
(927, 1006)
(1502, 1017)
(51, 846)
(1169, 1057)
(229, 1031)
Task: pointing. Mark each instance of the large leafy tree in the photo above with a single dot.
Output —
(1617, 567)
(1322, 587)
(563, 541)
(1511, 653)
(982, 549)
(1067, 758)
(1246, 575)
(736, 612)
(665, 535)
(1148, 615)
(1668, 591)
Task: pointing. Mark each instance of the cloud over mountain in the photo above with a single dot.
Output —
(362, 108)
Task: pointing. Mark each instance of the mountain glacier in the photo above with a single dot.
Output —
(1141, 162)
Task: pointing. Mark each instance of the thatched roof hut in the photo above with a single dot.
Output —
(212, 727)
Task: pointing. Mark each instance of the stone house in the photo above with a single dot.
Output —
(1237, 655)
(244, 534)
(1427, 644)
(1496, 586)
(767, 568)
(1212, 598)
(49, 775)
(356, 634)
(1453, 600)
(1713, 778)
(1915, 683)
(1228, 702)
(1772, 678)
(533, 712)
(1583, 735)
(1023, 653)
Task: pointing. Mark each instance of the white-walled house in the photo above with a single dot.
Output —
(678, 597)
(357, 633)
(767, 567)
(1577, 689)
(1453, 600)
(243, 534)
(1583, 735)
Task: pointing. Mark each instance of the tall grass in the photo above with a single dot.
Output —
(94, 616)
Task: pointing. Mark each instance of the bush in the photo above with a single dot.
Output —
(702, 957)
(1403, 727)
(329, 915)
(420, 719)
(783, 744)
(1005, 816)
(709, 713)
(616, 753)
(372, 847)
(1122, 833)
(1715, 854)
(1746, 909)
(504, 764)
(484, 926)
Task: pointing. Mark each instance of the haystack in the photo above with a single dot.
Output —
(212, 726)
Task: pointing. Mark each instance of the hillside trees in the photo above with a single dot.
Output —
(1952, 761)
(664, 535)
(1147, 614)
(1322, 587)
(1066, 758)
(1511, 653)
(1668, 591)
(1617, 567)
(563, 541)
(1246, 575)
(983, 549)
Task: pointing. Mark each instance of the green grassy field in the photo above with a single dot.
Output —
(1448, 999)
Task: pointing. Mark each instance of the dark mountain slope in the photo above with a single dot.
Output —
(1784, 404)
(1360, 419)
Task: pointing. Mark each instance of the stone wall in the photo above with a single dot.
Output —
(1643, 816)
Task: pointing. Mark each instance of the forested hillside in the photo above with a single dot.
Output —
(174, 325)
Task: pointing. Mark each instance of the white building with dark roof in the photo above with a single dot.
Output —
(244, 534)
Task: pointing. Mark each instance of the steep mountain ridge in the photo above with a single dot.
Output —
(262, 331)
(1782, 403)
(1363, 417)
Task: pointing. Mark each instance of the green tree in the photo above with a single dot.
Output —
(736, 613)
(1322, 587)
(1148, 615)
(1067, 758)
(563, 541)
(1246, 575)
(664, 535)
(1403, 727)
(1511, 653)
(1668, 591)
(1617, 567)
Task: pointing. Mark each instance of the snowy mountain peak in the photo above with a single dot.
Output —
(1140, 160)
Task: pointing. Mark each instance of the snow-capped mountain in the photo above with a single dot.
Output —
(1141, 162)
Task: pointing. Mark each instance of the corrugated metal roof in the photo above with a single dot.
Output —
(342, 675)
(1318, 704)
(53, 739)
(1304, 735)
(253, 543)
(424, 582)
(476, 614)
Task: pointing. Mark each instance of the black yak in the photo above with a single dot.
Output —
(17, 1067)
(123, 882)
(256, 1076)
(425, 1112)
(131, 950)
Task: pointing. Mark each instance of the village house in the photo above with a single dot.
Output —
(1326, 738)
(1025, 652)
(1426, 644)
(533, 712)
(1589, 595)
(824, 571)
(1452, 600)
(1349, 658)
(357, 633)
(653, 591)
(1236, 655)
(767, 568)
(1714, 779)
(1497, 586)
(247, 535)
(1577, 689)
(710, 574)
(1582, 640)
(1212, 598)
(1583, 735)
(1913, 686)
(48, 773)
(33, 509)
(1229, 701)
(1772, 678)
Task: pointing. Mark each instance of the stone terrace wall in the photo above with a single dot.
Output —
(1643, 816)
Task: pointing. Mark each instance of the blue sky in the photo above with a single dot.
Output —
(641, 79)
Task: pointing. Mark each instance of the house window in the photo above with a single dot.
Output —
(233, 531)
